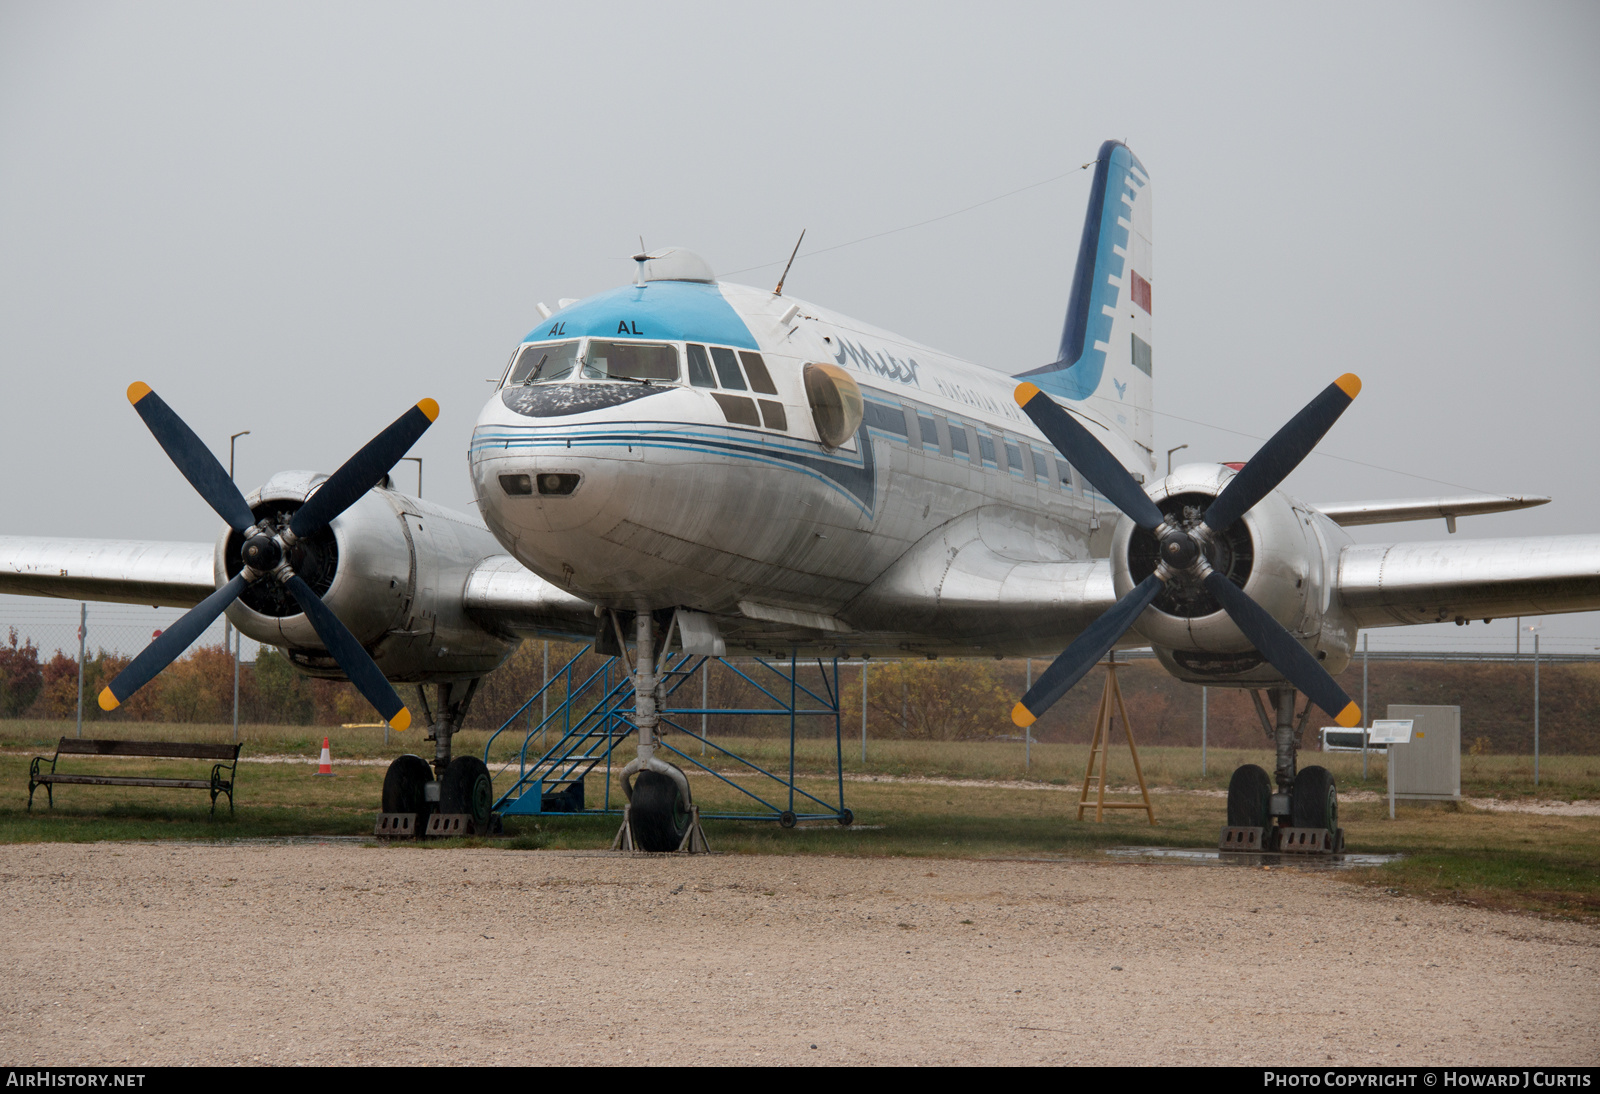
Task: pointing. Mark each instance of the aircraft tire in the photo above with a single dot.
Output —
(1250, 798)
(847, 818)
(405, 788)
(657, 812)
(467, 788)
(1314, 801)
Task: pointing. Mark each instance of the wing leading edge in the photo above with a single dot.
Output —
(164, 575)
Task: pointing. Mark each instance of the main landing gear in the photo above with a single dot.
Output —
(455, 795)
(1302, 817)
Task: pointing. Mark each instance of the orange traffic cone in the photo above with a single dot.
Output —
(325, 762)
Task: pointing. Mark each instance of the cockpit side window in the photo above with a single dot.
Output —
(727, 368)
(630, 361)
(543, 364)
(756, 368)
(700, 367)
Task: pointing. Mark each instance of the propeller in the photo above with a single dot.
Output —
(1182, 551)
(266, 548)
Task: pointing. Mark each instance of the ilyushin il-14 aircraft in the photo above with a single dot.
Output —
(745, 470)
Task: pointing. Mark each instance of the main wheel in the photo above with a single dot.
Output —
(405, 789)
(467, 788)
(1314, 799)
(1249, 798)
(658, 813)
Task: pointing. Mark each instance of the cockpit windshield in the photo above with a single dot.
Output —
(543, 364)
(630, 361)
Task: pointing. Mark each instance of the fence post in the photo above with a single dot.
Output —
(1204, 709)
(238, 648)
(863, 709)
(705, 695)
(83, 626)
(1027, 731)
(1536, 709)
(1366, 718)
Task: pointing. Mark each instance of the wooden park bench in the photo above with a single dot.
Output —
(227, 755)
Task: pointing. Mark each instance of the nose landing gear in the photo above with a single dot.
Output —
(660, 814)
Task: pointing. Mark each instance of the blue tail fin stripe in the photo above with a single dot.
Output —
(1076, 372)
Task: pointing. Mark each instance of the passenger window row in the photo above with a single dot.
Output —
(1024, 461)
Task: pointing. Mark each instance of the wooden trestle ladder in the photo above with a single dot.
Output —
(1101, 745)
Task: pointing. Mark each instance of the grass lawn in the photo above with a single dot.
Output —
(1540, 863)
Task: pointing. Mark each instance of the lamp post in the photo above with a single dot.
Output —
(418, 461)
(1170, 451)
(227, 626)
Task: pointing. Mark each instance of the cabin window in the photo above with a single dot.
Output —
(986, 450)
(756, 369)
(958, 438)
(727, 368)
(700, 367)
(543, 364)
(1041, 465)
(630, 361)
(929, 431)
(1014, 460)
(888, 419)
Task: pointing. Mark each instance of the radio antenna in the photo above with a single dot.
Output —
(779, 290)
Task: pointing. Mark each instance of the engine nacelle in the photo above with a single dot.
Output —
(1282, 553)
(391, 567)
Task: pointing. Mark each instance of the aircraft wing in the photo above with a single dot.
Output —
(167, 575)
(1349, 513)
(1387, 585)
(507, 598)
(999, 579)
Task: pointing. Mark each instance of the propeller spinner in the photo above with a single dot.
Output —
(1182, 551)
(267, 548)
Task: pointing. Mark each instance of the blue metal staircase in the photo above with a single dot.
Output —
(590, 715)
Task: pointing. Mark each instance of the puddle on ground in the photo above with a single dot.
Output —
(1201, 857)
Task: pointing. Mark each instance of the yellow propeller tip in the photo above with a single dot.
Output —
(1021, 715)
(1350, 384)
(401, 721)
(1350, 716)
(108, 701)
(136, 391)
(1024, 393)
(430, 408)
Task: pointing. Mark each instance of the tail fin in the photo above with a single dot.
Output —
(1105, 344)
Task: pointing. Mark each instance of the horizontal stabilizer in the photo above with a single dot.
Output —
(1394, 511)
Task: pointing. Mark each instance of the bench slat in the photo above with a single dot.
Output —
(123, 780)
(178, 750)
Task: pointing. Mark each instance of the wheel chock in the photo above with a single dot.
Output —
(1307, 841)
(452, 825)
(1236, 838)
(396, 826)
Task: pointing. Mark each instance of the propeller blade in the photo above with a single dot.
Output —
(1085, 652)
(170, 645)
(356, 662)
(1282, 453)
(363, 471)
(1089, 456)
(204, 472)
(1287, 656)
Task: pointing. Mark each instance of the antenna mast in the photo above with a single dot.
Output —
(779, 290)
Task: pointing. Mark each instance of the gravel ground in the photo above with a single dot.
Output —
(338, 953)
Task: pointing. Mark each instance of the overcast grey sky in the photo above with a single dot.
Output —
(300, 218)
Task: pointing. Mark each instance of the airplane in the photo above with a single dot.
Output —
(742, 469)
